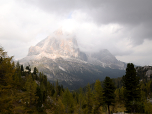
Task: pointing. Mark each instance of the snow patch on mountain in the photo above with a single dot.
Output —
(64, 45)
(62, 68)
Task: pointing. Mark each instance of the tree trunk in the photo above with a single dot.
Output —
(108, 110)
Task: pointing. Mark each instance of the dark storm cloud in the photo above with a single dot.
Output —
(125, 12)
(113, 11)
(133, 15)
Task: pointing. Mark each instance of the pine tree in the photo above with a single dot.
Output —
(35, 71)
(22, 68)
(6, 82)
(59, 108)
(28, 68)
(151, 89)
(35, 76)
(53, 90)
(108, 92)
(132, 89)
(17, 75)
(31, 86)
(43, 91)
(56, 90)
(80, 100)
(39, 98)
(98, 96)
(67, 101)
(89, 99)
(121, 94)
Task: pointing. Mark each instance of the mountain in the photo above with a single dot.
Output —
(105, 59)
(59, 57)
(144, 73)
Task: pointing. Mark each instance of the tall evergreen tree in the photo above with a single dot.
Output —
(22, 68)
(35, 70)
(89, 99)
(108, 92)
(30, 95)
(56, 90)
(17, 75)
(39, 100)
(121, 94)
(43, 91)
(132, 88)
(6, 83)
(151, 89)
(28, 68)
(80, 100)
(67, 101)
(98, 97)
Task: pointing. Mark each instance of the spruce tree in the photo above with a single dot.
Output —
(35, 70)
(67, 101)
(98, 97)
(151, 89)
(108, 92)
(89, 99)
(22, 68)
(17, 75)
(43, 91)
(131, 88)
(39, 100)
(6, 83)
(28, 68)
(56, 90)
(30, 94)
(80, 100)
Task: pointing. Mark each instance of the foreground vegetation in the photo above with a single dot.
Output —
(23, 91)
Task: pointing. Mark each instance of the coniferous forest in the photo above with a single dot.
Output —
(23, 91)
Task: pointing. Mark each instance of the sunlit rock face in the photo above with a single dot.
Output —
(59, 44)
(59, 57)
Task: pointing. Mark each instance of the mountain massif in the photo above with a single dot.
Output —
(59, 57)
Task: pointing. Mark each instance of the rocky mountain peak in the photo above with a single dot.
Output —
(61, 44)
(105, 59)
(58, 44)
(58, 32)
(58, 56)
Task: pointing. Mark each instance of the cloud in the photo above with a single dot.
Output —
(134, 15)
(123, 27)
(141, 54)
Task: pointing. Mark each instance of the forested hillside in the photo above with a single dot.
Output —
(23, 91)
(144, 73)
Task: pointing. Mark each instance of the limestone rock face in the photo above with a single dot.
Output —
(57, 45)
(59, 57)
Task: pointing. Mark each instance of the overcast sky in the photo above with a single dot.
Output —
(124, 27)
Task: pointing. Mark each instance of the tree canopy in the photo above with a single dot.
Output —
(108, 92)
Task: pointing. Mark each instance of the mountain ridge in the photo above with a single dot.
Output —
(59, 57)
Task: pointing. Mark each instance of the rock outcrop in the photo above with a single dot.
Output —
(59, 57)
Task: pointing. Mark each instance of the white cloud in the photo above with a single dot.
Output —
(141, 54)
(97, 25)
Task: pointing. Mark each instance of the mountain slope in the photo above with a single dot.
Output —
(59, 57)
(57, 45)
(104, 59)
